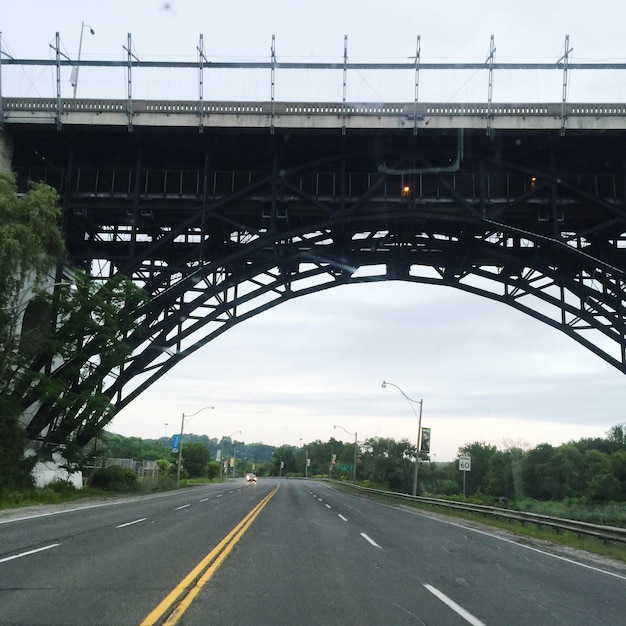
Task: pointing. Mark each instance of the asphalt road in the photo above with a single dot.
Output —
(302, 554)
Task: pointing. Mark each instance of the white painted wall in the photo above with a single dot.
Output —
(48, 472)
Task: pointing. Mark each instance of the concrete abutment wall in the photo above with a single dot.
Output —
(6, 150)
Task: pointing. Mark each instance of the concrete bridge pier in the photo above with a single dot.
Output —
(6, 151)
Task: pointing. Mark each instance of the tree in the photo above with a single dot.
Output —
(60, 385)
(212, 469)
(389, 463)
(117, 446)
(534, 471)
(319, 454)
(195, 459)
(603, 487)
(618, 469)
(29, 238)
(52, 370)
(595, 463)
(498, 480)
(481, 454)
(564, 472)
(283, 461)
(617, 434)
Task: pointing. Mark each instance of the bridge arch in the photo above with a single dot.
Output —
(486, 372)
(377, 251)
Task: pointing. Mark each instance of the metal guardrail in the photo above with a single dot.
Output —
(601, 532)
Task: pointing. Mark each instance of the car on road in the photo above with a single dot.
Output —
(251, 478)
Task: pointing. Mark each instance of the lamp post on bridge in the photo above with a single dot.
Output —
(419, 429)
(180, 443)
(74, 74)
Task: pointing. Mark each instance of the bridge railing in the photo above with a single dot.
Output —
(309, 108)
(346, 116)
(181, 183)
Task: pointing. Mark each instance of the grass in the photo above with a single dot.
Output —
(15, 499)
(609, 514)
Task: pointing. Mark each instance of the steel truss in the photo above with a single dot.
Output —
(219, 227)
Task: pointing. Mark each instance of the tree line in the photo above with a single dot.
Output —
(202, 456)
(589, 469)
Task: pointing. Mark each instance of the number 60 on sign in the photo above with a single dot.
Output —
(465, 463)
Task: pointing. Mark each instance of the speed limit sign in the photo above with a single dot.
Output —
(465, 463)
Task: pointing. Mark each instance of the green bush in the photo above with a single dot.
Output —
(114, 478)
(61, 486)
(163, 482)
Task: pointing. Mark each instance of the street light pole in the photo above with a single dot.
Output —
(355, 444)
(235, 432)
(306, 459)
(419, 430)
(180, 443)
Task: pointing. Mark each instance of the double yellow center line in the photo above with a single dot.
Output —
(174, 605)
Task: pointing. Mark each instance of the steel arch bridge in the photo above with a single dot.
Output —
(222, 225)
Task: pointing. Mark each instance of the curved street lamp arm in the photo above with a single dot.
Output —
(344, 430)
(385, 383)
(196, 413)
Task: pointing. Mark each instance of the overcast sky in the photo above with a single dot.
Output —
(485, 371)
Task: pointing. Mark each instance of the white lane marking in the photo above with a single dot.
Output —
(370, 540)
(26, 517)
(345, 519)
(18, 556)
(328, 506)
(204, 500)
(142, 519)
(320, 500)
(184, 506)
(219, 495)
(466, 615)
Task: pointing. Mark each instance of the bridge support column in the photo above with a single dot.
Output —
(6, 151)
